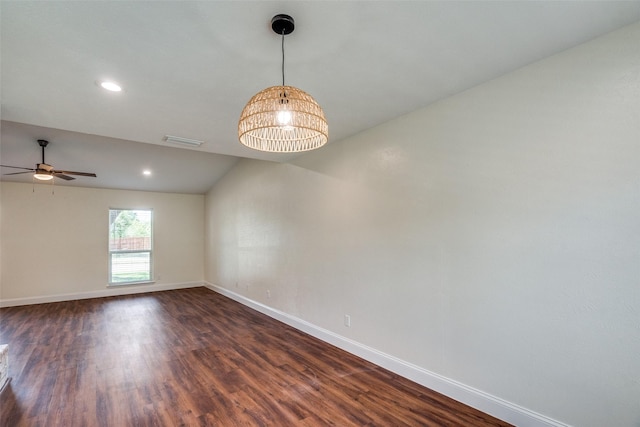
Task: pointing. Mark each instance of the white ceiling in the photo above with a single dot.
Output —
(188, 69)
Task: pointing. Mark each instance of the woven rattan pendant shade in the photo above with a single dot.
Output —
(283, 119)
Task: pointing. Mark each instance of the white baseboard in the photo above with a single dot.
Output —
(475, 398)
(108, 292)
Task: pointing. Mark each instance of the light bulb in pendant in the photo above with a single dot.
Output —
(284, 118)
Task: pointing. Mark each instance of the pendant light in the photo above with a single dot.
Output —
(283, 119)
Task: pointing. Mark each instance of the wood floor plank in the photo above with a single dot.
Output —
(192, 357)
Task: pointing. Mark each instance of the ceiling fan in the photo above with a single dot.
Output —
(45, 172)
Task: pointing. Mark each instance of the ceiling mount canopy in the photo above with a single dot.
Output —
(282, 24)
(283, 119)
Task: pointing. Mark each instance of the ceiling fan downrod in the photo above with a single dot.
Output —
(43, 143)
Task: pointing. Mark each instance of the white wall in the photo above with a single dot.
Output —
(492, 238)
(57, 244)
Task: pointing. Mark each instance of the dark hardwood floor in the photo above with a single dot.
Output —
(195, 358)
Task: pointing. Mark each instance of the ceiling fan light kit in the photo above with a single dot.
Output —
(43, 172)
(283, 119)
(43, 176)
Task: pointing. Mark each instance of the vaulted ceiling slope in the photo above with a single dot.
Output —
(188, 69)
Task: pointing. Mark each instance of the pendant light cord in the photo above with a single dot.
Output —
(283, 57)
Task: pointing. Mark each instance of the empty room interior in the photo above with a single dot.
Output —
(320, 213)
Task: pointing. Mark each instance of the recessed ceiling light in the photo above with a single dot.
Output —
(146, 172)
(109, 85)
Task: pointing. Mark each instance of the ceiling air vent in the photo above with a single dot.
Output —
(183, 141)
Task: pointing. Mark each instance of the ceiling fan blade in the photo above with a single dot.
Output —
(77, 173)
(17, 167)
(18, 173)
(63, 176)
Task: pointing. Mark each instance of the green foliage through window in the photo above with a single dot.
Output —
(130, 245)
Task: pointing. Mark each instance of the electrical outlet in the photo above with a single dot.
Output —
(236, 284)
(268, 293)
(347, 320)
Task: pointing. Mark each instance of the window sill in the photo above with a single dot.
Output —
(119, 285)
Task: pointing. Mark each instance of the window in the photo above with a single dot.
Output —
(130, 246)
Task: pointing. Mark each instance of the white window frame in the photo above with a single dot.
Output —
(135, 251)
